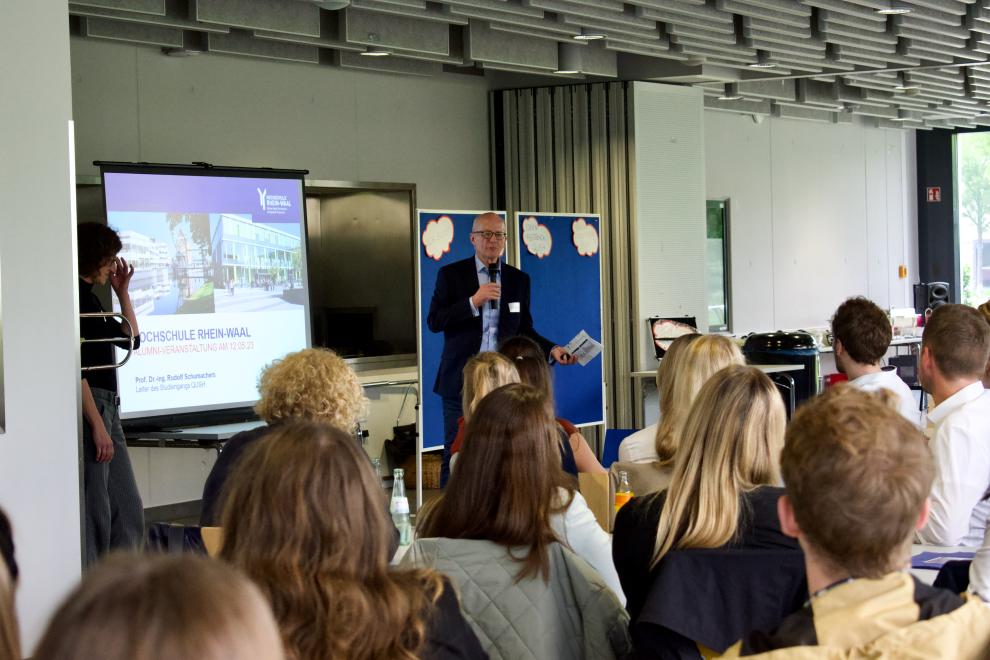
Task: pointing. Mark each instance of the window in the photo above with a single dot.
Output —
(717, 234)
(973, 172)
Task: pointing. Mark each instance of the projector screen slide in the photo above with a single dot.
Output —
(219, 286)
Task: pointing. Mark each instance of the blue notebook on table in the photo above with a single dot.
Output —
(936, 560)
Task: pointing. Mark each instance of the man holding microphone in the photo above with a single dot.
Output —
(478, 302)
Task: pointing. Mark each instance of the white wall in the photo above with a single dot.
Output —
(39, 453)
(132, 103)
(668, 237)
(818, 212)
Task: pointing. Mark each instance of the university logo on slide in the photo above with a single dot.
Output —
(273, 204)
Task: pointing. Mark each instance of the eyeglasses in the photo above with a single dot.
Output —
(489, 235)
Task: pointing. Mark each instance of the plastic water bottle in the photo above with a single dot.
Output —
(623, 492)
(399, 507)
(376, 463)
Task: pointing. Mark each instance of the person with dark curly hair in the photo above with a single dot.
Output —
(114, 512)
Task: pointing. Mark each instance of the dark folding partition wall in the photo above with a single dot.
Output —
(568, 150)
(938, 250)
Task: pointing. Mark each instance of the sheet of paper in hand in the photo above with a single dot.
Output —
(584, 348)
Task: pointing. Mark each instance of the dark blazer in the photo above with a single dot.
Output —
(450, 313)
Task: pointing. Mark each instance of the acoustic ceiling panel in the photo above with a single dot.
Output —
(290, 16)
(156, 7)
(485, 45)
(373, 29)
(427, 13)
(239, 42)
(167, 20)
(139, 33)
(929, 67)
(390, 65)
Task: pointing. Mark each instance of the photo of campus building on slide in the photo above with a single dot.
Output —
(173, 264)
(199, 263)
(257, 266)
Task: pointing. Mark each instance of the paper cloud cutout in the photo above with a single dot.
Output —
(438, 236)
(537, 238)
(585, 238)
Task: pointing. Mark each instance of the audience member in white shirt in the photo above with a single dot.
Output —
(641, 446)
(979, 570)
(861, 335)
(577, 527)
(954, 355)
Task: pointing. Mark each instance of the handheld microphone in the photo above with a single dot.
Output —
(493, 278)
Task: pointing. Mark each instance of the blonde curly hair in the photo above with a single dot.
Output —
(314, 384)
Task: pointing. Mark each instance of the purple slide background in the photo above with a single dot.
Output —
(204, 194)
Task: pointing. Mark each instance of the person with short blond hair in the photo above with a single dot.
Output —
(314, 384)
(857, 478)
(954, 354)
(861, 335)
(162, 607)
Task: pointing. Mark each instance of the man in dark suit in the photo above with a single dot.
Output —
(477, 303)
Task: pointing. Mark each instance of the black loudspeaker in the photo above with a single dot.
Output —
(930, 295)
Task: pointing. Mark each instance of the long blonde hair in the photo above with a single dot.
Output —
(483, 373)
(693, 365)
(162, 607)
(305, 518)
(731, 444)
(668, 368)
(10, 648)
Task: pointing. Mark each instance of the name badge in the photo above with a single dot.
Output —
(514, 307)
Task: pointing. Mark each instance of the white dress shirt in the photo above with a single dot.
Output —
(577, 528)
(641, 446)
(489, 316)
(979, 570)
(959, 437)
(889, 380)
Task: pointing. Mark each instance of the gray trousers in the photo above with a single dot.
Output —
(114, 512)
